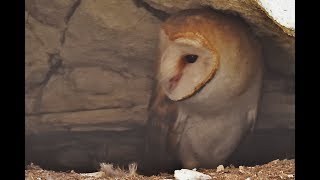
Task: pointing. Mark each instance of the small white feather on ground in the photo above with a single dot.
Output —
(187, 174)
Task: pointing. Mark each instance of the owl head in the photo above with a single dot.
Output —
(198, 47)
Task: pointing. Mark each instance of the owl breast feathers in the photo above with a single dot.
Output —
(207, 89)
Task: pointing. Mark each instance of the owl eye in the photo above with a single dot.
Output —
(190, 58)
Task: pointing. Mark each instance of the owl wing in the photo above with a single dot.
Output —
(161, 138)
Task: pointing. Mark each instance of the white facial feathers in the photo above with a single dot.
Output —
(180, 77)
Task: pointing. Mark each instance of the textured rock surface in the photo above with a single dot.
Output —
(41, 41)
(52, 13)
(89, 67)
(84, 65)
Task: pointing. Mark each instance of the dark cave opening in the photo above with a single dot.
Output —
(82, 152)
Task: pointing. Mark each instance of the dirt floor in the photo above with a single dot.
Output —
(277, 169)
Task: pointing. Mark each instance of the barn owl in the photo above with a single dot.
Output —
(207, 90)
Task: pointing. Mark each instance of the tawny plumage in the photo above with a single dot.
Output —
(207, 88)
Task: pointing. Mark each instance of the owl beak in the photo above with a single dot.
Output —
(173, 82)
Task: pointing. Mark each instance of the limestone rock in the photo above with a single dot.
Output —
(88, 88)
(103, 63)
(52, 13)
(40, 42)
(31, 99)
(112, 33)
(277, 105)
(282, 12)
(108, 119)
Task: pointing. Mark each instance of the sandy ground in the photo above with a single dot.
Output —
(277, 169)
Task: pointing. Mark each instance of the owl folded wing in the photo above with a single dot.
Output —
(160, 139)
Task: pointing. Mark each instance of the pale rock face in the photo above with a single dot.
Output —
(94, 37)
(52, 13)
(86, 56)
(282, 11)
(41, 41)
(92, 88)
